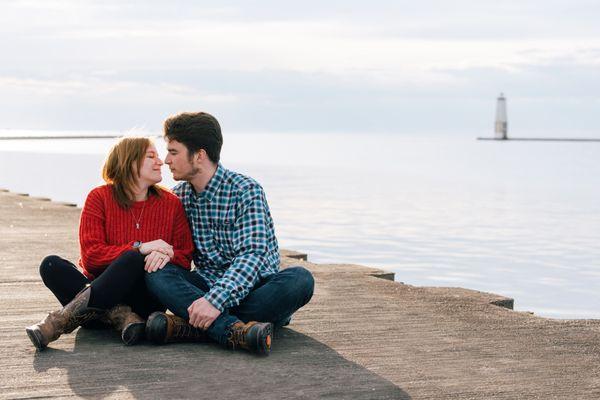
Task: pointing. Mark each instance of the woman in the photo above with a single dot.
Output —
(128, 227)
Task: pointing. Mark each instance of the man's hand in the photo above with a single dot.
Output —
(156, 245)
(202, 313)
(156, 260)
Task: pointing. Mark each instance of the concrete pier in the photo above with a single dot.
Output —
(363, 336)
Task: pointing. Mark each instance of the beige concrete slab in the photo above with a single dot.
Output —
(361, 337)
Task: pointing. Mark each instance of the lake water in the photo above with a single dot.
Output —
(521, 219)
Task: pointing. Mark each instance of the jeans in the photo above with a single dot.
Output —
(274, 299)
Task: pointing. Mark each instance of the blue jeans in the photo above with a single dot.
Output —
(274, 299)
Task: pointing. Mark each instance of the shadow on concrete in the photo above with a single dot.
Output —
(299, 367)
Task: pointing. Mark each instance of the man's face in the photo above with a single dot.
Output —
(179, 161)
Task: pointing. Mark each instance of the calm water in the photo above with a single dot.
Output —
(519, 219)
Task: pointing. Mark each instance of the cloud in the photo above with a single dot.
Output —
(392, 66)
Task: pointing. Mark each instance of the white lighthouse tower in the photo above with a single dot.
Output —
(501, 126)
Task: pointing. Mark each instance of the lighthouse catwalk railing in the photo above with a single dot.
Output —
(501, 126)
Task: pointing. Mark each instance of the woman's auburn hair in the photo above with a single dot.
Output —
(122, 166)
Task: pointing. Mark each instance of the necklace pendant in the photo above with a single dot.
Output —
(137, 225)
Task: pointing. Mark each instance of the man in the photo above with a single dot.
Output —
(236, 295)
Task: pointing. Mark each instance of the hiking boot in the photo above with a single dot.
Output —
(253, 336)
(130, 325)
(65, 320)
(164, 328)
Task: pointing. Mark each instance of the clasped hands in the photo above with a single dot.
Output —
(158, 253)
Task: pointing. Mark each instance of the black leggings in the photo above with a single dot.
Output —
(122, 282)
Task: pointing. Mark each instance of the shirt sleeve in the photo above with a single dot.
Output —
(249, 240)
(96, 253)
(183, 246)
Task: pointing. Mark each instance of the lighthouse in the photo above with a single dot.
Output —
(501, 126)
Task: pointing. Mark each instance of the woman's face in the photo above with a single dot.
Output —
(150, 171)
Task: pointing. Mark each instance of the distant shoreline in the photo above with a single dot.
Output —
(61, 137)
(542, 139)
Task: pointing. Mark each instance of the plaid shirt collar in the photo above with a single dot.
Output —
(212, 187)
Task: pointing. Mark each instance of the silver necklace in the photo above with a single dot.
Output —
(138, 220)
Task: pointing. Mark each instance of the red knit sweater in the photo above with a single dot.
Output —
(107, 230)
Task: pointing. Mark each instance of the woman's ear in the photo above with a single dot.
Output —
(135, 169)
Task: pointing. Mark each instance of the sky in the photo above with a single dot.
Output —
(400, 67)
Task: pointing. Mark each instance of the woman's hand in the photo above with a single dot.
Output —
(156, 245)
(156, 260)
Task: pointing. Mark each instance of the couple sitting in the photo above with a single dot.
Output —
(136, 250)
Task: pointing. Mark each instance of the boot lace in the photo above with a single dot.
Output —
(185, 330)
(237, 336)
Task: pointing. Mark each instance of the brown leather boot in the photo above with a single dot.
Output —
(252, 336)
(65, 320)
(130, 325)
(164, 328)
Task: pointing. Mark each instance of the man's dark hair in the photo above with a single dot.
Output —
(196, 131)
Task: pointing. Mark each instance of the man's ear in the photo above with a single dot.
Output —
(200, 155)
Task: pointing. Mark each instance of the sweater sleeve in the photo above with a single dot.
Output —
(183, 246)
(96, 253)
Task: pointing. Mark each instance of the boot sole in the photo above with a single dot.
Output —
(36, 337)
(263, 345)
(133, 333)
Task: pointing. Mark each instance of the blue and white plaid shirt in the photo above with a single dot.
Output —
(233, 234)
